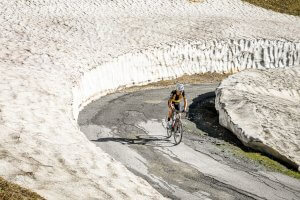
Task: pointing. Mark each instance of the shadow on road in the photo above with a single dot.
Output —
(203, 113)
(148, 140)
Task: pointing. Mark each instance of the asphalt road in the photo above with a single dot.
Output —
(131, 128)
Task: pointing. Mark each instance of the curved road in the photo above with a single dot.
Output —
(130, 127)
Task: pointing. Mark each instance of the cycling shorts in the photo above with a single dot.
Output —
(176, 106)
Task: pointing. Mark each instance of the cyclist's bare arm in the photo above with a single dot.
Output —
(170, 102)
(185, 103)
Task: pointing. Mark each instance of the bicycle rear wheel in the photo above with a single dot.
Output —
(178, 132)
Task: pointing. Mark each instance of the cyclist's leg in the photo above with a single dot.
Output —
(169, 113)
(178, 108)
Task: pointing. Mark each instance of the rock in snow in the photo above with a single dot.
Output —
(58, 55)
(262, 107)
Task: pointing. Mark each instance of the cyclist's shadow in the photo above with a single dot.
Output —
(147, 140)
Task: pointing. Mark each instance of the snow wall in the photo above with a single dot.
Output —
(176, 59)
(262, 108)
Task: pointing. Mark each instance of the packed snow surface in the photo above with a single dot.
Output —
(262, 107)
(58, 55)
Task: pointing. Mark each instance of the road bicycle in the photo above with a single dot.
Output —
(177, 128)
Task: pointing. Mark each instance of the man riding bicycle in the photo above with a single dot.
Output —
(174, 101)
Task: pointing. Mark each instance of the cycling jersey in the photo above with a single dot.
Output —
(174, 98)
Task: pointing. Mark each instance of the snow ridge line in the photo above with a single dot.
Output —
(176, 59)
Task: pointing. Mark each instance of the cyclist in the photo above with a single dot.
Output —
(174, 101)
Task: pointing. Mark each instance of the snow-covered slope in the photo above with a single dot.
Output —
(262, 107)
(56, 55)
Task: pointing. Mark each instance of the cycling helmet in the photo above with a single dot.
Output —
(180, 87)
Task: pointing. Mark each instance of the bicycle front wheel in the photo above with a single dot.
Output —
(178, 132)
(169, 132)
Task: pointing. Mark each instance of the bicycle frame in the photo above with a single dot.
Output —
(176, 115)
(176, 126)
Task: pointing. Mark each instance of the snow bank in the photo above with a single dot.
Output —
(174, 60)
(51, 48)
(262, 107)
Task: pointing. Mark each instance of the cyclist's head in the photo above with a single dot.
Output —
(180, 87)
